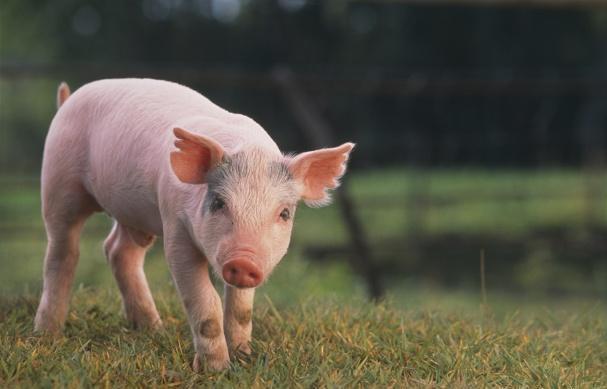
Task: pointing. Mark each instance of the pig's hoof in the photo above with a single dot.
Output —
(157, 325)
(211, 364)
(242, 349)
(147, 325)
(196, 363)
(48, 327)
(53, 333)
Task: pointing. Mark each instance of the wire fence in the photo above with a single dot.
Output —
(403, 224)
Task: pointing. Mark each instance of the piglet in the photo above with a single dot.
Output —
(162, 160)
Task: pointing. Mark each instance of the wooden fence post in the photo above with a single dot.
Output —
(319, 134)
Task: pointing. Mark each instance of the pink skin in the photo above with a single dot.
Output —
(163, 160)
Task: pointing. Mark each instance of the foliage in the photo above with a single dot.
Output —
(434, 110)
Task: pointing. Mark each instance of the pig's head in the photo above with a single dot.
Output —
(245, 217)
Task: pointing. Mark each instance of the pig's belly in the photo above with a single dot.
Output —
(130, 204)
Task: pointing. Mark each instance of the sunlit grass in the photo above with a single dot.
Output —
(313, 342)
(313, 325)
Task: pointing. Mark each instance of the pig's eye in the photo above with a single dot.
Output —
(285, 214)
(217, 204)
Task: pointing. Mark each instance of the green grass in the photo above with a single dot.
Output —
(464, 202)
(315, 342)
(312, 325)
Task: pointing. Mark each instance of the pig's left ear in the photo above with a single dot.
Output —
(197, 155)
(319, 170)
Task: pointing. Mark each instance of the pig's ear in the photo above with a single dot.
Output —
(320, 170)
(197, 155)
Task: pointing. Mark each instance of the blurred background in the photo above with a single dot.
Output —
(481, 129)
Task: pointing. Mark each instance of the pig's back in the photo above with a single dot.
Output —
(147, 106)
(122, 132)
(133, 119)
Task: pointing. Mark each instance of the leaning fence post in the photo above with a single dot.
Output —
(319, 134)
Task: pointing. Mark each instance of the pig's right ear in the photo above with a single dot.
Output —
(197, 155)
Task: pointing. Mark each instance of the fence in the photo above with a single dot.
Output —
(306, 96)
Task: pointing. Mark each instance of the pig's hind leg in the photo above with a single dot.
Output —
(125, 249)
(65, 206)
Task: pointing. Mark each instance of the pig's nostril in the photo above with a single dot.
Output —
(242, 273)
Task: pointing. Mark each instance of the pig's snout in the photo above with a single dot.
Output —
(242, 273)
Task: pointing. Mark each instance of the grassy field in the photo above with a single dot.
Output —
(316, 342)
(312, 325)
(394, 205)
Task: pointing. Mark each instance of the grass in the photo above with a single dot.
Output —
(312, 325)
(316, 342)
(463, 202)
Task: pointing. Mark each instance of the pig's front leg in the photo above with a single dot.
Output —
(200, 300)
(238, 318)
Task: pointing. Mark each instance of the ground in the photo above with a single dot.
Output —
(312, 323)
(315, 342)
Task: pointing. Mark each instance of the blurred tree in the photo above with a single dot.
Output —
(364, 41)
